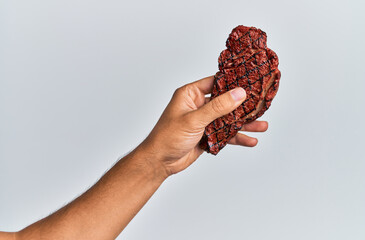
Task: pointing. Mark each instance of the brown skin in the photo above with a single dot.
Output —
(103, 211)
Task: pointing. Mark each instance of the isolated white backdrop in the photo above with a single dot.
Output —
(83, 82)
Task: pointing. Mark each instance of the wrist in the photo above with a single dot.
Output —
(150, 161)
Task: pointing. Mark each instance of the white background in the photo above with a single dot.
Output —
(83, 82)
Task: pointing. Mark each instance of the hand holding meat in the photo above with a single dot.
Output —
(173, 142)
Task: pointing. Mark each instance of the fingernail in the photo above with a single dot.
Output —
(238, 94)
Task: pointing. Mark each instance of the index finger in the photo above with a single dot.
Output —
(205, 85)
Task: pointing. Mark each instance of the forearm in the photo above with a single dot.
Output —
(7, 236)
(105, 209)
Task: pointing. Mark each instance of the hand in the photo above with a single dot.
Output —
(174, 140)
(171, 147)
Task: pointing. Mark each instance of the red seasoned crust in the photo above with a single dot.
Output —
(246, 63)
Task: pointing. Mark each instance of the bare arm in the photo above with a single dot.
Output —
(105, 209)
(7, 236)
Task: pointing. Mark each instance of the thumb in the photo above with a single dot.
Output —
(219, 106)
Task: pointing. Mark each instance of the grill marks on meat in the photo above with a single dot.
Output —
(246, 63)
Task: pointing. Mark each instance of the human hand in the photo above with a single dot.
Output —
(173, 142)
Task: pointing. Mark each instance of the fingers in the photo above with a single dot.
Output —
(218, 107)
(247, 141)
(205, 85)
(207, 99)
(256, 126)
(243, 140)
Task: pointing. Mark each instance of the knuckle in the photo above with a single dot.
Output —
(180, 90)
(177, 91)
(218, 105)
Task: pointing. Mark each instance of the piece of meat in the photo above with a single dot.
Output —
(247, 63)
